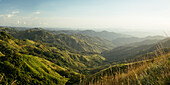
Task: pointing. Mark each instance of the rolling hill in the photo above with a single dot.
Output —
(38, 56)
(136, 40)
(31, 62)
(18, 65)
(147, 72)
(77, 42)
(103, 34)
(135, 50)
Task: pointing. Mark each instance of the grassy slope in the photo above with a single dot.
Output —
(33, 54)
(148, 72)
(60, 56)
(18, 55)
(29, 69)
(131, 52)
(76, 42)
(63, 58)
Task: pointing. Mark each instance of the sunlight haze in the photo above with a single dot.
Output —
(111, 15)
(84, 42)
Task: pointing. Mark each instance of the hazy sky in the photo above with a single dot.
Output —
(129, 15)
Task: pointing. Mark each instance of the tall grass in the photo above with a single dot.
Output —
(2, 77)
(154, 71)
(13, 83)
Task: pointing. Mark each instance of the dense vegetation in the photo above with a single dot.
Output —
(153, 71)
(132, 52)
(78, 42)
(26, 58)
(103, 34)
(38, 56)
(146, 73)
(18, 64)
(135, 41)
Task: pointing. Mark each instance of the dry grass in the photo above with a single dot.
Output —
(155, 71)
(2, 77)
(13, 83)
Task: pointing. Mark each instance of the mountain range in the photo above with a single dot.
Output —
(41, 56)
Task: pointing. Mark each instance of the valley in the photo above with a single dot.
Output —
(84, 42)
(71, 57)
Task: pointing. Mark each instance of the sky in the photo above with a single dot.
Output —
(113, 15)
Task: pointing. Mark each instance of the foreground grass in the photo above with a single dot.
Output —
(149, 72)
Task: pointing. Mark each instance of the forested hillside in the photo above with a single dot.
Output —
(38, 56)
(133, 51)
(137, 41)
(103, 34)
(84, 42)
(78, 42)
(38, 60)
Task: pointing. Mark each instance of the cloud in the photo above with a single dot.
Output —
(7, 15)
(18, 22)
(2, 15)
(15, 12)
(25, 23)
(36, 12)
(10, 15)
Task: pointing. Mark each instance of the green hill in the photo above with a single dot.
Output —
(31, 62)
(147, 72)
(9, 30)
(102, 34)
(136, 41)
(41, 57)
(130, 52)
(76, 42)
(27, 68)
